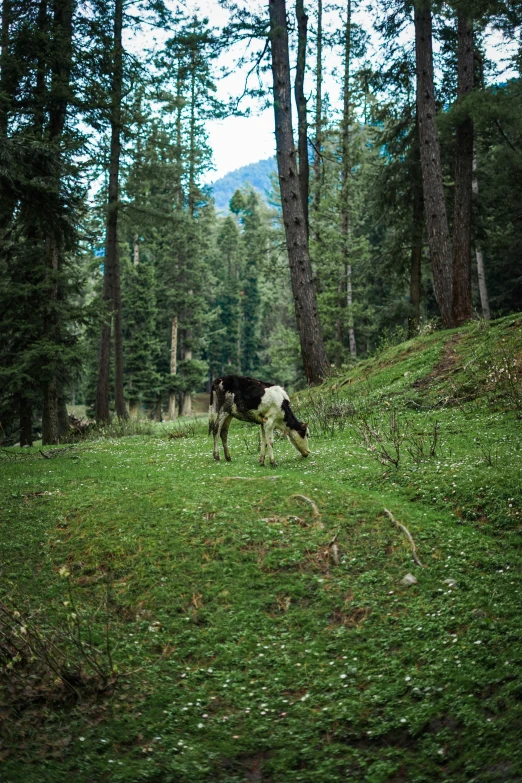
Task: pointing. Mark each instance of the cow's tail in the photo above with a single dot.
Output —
(212, 412)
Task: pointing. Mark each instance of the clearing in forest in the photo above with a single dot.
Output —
(166, 618)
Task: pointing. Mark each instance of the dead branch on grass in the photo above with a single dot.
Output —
(315, 510)
(408, 534)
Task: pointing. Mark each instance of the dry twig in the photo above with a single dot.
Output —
(249, 478)
(315, 510)
(408, 534)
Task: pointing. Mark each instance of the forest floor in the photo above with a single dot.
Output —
(167, 618)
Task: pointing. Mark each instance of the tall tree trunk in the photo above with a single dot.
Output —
(136, 250)
(417, 237)
(318, 110)
(26, 421)
(434, 203)
(300, 101)
(179, 138)
(50, 424)
(173, 409)
(312, 346)
(55, 423)
(192, 139)
(481, 270)
(462, 305)
(415, 266)
(186, 406)
(111, 283)
(346, 168)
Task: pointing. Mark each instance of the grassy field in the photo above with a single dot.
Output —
(166, 618)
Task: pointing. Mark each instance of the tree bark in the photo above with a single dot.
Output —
(173, 408)
(186, 406)
(111, 283)
(481, 270)
(318, 109)
(434, 203)
(26, 422)
(300, 101)
(312, 347)
(462, 304)
(50, 424)
(192, 139)
(55, 423)
(415, 265)
(136, 250)
(417, 237)
(345, 180)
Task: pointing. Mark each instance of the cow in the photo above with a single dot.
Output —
(248, 399)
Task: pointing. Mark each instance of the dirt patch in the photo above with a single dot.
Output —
(448, 363)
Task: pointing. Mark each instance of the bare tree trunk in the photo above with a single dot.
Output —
(318, 109)
(481, 270)
(136, 250)
(417, 237)
(26, 422)
(300, 101)
(186, 407)
(192, 139)
(462, 304)
(173, 408)
(111, 287)
(434, 203)
(179, 138)
(134, 406)
(312, 346)
(345, 179)
(50, 427)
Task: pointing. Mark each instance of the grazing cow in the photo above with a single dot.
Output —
(248, 399)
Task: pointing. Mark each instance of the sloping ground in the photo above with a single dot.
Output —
(231, 634)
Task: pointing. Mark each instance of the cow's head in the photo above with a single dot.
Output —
(299, 438)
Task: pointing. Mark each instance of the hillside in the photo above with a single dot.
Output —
(255, 174)
(168, 618)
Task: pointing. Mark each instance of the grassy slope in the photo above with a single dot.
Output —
(277, 664)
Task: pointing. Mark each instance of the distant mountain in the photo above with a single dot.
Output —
(255, 174)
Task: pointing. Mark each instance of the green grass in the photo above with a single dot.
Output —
(243, 651)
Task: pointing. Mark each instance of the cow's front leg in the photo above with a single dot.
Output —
(217, 432)
(263, 444)
(224, 437)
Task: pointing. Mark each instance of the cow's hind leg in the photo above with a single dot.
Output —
(263, 445)
(224, 437)
(217, 432)
(269, 435)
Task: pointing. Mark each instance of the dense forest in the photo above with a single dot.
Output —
(396, 208)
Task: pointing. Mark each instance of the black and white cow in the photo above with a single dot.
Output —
(247, 399)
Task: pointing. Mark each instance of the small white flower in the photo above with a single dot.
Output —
(342, 676)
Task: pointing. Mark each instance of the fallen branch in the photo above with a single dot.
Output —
(408, 534)
(248, 478)
(334, 550)
(315, 510)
